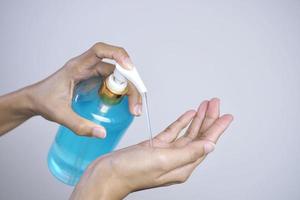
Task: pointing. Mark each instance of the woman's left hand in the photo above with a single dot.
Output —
(171, 160)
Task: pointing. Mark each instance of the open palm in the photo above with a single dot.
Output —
(170, 160)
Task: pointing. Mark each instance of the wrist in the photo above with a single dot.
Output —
(99, 182)
(25, 105)
(17, 105)
(111, 189)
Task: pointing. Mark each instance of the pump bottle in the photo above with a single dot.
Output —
(104, 102)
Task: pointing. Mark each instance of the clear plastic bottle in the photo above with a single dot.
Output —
(94, 100)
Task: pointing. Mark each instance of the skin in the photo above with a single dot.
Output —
(51, 98)
(172, 158)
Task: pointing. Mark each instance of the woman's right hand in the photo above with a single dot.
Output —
(171, 160)
(52, 97)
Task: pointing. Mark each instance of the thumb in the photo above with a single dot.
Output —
(80, 125)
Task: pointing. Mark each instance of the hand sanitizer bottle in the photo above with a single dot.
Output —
(103, 102)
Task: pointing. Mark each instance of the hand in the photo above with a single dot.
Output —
(171, 160)
(51, 98)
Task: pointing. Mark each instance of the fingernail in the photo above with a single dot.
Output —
(209, 147)
(128, 63)
(140, 109)
(137, 109)
(99, 132)
(215, 99)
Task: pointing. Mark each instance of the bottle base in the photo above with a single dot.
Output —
(60, 174)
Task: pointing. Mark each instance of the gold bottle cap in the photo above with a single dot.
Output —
(108, 96)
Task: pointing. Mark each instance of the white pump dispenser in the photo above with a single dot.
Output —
(117, 81)
(133, 76)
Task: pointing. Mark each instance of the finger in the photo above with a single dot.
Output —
(134, 97)
(194, 127)
(172, 131)
(134, 100)
(218, 127)
(172, 158)
(197, 121)
(80, 125)
(101, 50)
(104, 69)
(211, 115)
(181, 174)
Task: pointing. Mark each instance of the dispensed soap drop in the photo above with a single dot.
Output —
(104, 102)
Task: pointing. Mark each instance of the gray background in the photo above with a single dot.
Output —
(245, 52)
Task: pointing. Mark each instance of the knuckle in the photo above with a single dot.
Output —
(55, 111)
(188, 133)
(97, 46)
(194, 155)
(203, 136)
(169, 129)
(183, 178)
(219, 124)
(163, 162)
(75, 67)
(72, 62)
(180, 123)
(162, 158)
(186, 139)
(81, 129)
(120, 51)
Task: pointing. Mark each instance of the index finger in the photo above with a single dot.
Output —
(100, 51)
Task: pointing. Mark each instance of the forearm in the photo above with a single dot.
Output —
(15, 108)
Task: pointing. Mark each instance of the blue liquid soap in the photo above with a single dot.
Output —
(70, 154)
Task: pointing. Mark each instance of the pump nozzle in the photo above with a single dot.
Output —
(131, 75)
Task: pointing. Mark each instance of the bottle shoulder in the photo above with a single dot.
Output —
(116, 114)
(88, 104)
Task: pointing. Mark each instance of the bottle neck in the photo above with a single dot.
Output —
(109, 96)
